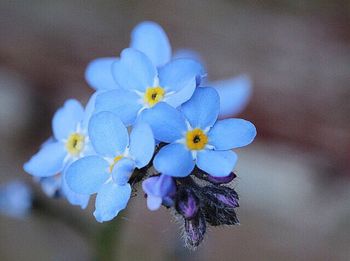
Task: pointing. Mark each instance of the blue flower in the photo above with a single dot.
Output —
(159, 190)
(15, 199)
(142, 85)
(196, 137)
(147, 37)
(108, 172)
(70, 142)
(150, 38)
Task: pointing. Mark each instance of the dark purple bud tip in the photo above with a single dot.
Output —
(229, 198)
(221, 180)
(194, 231)
(219, 205)
(186, 203)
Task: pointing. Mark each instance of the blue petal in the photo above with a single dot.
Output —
(89, 110)
(179, 73)
(98, 74)
(111, 199)
(216, 163)
(174, 160)
(122, 103)
(48, 161)
(150, 38)
(193, 55)
(234, 94)
(51, 185)
(86, 175)
(231, 133)
(134, 71)
(66, 119)
(203, 108)
(154, 202)
(108, 134)
(73, 198)
(141, 144)
(122, 171)
(48, 141)
(166, 122)
(178, 98)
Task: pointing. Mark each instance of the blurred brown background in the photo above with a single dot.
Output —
(294, 181)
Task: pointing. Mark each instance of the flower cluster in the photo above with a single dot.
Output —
(153, 119)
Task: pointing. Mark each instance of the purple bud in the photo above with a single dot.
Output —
(219, 205)
(186, 203)
(194, 231)
(229, 198)
(222, 195)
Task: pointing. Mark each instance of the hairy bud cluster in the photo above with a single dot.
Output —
(212, 204)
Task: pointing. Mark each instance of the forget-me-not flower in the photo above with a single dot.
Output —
(163, 97)
(108, 172)
(150, 38)
(147, 37)
(196, 137)
(70, 142)
(143, 85)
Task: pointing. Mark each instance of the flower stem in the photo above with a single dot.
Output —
(107, 240)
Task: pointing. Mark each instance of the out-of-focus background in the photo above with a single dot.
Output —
(294, 181)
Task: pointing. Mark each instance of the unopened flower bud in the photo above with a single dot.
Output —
(219, 205)
(194, 231)
(222, 195)
(186, 203)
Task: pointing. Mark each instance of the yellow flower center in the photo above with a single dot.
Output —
(75, 144)
(153, 95)
(196, 139)
(115, 161)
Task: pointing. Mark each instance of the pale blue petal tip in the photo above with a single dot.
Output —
(98, 73)
(150, 38)
(234, 94)
(110, 200)
(49, 161)
(66, 119)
